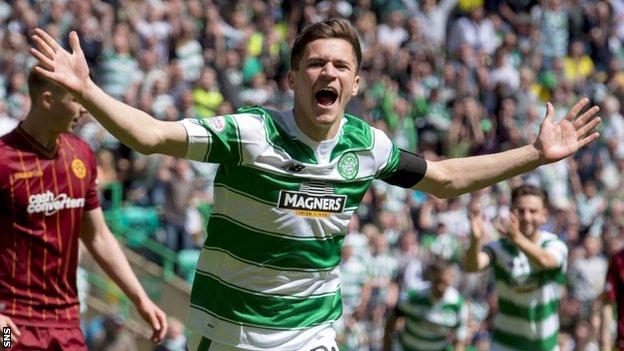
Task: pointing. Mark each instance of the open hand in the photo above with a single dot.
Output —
(70, 70)
(557, 141)
(510, 227)
(476, 222)
(155, 317)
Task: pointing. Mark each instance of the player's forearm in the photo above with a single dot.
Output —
(108, 254)
(535, 253)
(605, 327)
(131, 126)
(472, 256)
(472, 173)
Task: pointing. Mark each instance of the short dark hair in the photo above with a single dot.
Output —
(438, 266)
(37, 84)
(328, 29)
(527, 189)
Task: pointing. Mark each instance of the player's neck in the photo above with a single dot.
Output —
(535, 237)
(316, 132)
(40, 132)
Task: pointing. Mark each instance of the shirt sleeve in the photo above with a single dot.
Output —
(213, 139)
(396, 166)
(559, 250)
(461, 333)
(92, 200)
(489, 250)
(611, 283)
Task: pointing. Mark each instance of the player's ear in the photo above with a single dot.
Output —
(291, 79)
(46, 99)
(356, 85)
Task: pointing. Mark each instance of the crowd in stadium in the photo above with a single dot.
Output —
(447, 78)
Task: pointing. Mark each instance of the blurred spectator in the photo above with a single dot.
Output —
(107, 333)
(353, 275)
(586, 277)
(578, 66)
(7, 123)
(206, 95)
(552, 17)
(118, 72)
(436, 315)
(476, 30)
(175, 182)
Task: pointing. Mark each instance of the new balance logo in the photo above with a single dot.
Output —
(323, 348)
(293, 167)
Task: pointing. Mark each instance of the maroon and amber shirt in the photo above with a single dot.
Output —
(614, 293)
(43, 194)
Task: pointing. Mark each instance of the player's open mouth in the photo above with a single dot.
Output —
(326, 97)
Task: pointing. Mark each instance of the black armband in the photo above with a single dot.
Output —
(410, 170)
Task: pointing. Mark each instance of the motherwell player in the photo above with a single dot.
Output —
(614, 294)
(47, 201)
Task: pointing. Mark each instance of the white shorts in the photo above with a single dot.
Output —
(196, 342)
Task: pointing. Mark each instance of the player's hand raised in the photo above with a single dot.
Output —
(559, 140)
(155, 317)
(70, 70)
(510, 227)
(15, 332)
(476, 222)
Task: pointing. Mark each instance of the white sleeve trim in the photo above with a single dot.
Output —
(198, 140)
(382, 149)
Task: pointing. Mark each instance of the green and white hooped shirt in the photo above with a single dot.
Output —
(429, 323)
(528, 296)
(268, 274)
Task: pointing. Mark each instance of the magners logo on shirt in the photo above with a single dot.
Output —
(308, 205)
(315, 198)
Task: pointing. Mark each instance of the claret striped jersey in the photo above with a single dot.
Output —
(267, 276)
(528, 297)
(43, 194)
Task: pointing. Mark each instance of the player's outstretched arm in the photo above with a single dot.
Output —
(555, 141)
(98, 239)
(131, 126)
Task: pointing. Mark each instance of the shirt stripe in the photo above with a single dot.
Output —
(254, 309)
(59, 242)
(70, 180)
(45, 246)
(268, 280)
(66, 261)
(273, 249)
(13, 290)
(28, 276)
